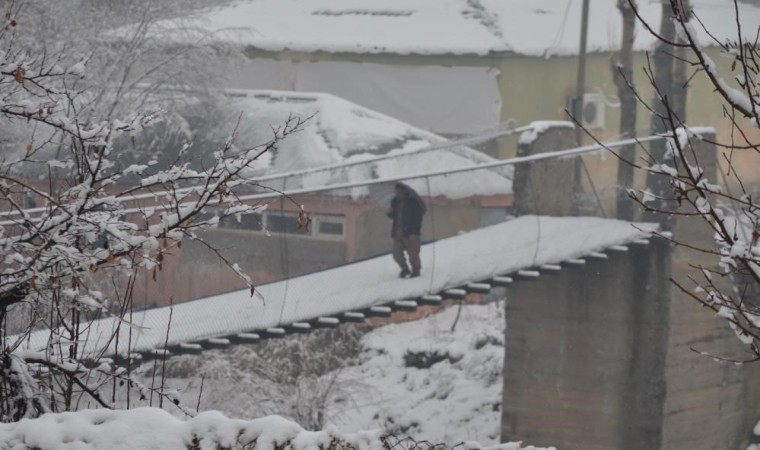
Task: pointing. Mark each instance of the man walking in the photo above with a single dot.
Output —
(407, 209)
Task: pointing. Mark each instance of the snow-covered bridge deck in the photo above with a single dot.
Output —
(354, 291)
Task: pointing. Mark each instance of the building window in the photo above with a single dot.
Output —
(322, 226)
(251, 222)
(329, 226)
(285, 223)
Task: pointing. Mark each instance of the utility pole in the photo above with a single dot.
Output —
(580, 87)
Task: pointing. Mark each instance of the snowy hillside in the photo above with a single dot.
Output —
(416, 378)
(457, 398)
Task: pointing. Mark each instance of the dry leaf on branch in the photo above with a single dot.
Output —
(19, 74)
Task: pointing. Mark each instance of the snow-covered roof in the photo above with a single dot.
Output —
(535, 27)
(524, 242)
(339, 132)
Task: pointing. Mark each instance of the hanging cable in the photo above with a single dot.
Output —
(538, 239)
(371, 182)
(432, 228)
(284, 254)
(593, 188)
(505, 129)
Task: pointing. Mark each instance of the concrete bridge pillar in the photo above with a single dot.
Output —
(604, 356)
(585, 355)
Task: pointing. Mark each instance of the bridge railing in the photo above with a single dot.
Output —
(319, 218)
(315, 221)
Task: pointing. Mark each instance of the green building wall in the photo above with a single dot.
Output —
(540, 88)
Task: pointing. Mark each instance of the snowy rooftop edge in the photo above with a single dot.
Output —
(441, 27)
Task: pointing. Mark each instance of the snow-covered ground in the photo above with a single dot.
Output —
(455, 399)
(153, 428)
(416, 379)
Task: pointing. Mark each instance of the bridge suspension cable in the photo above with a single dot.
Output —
(309, 190)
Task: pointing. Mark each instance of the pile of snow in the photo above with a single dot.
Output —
(536, 27)
(540, 127)
(153, 428)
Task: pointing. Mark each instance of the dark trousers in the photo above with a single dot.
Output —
(411, 245)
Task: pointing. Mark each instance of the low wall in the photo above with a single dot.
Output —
(545, 187)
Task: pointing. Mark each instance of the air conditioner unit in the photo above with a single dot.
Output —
(593, 111)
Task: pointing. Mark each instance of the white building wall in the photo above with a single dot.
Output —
(444, 100)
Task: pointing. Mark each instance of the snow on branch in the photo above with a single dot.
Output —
(70, 238)
(688, 182)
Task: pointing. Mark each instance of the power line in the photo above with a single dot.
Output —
(499, 163)
(472, 140)
(485, 136)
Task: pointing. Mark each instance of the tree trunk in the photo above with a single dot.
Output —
(661, 104)
(679, 71)
(622, 74)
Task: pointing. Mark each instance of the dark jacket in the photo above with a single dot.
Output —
(411, 213)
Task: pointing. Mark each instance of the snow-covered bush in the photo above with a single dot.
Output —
(304, 372)
(154, 428)
(144, 428)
